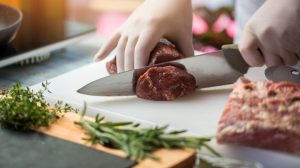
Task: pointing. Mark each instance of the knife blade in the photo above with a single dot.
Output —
(209, 69)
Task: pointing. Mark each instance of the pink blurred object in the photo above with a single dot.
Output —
(202, 48)
(199, 25)
(221, 23)
(224, 22)
(231, 29)
(209, 49)
(109, 22)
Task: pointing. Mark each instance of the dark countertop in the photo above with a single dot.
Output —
(59, 62)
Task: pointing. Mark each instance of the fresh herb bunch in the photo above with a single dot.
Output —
(138, 143)
(23, 109)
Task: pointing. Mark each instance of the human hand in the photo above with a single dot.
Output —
(153, 20)
(274, 29)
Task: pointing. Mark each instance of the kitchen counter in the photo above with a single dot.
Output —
(60, 61)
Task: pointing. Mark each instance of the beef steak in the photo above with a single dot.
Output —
(164, 52)
(164, 83)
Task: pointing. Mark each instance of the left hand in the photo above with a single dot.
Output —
(153, 20)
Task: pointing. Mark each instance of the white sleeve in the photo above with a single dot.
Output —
(244, 9)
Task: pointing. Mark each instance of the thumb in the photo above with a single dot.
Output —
(185, 45)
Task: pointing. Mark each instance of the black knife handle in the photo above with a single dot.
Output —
(234, 58)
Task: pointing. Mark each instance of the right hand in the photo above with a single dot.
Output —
(153, 20)
(274, 29)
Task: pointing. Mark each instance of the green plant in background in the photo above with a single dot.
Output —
(136, 142)
(23, 109)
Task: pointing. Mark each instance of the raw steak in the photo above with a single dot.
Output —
(262, 114)
(164, 83)
(164, 52)
(161, 83)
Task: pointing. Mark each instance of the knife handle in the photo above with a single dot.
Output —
(234, 58)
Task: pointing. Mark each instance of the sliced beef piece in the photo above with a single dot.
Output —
(164, 52)
(164, 83)
(262, 114)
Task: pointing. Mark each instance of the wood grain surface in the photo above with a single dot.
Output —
(65, 129)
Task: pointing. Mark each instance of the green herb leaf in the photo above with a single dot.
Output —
(138, 143)
(22, 108)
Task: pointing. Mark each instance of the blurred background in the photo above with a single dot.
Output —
(213, 21)
(213, 25)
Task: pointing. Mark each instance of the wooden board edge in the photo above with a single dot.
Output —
(65, 129)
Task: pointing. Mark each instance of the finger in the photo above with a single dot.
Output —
(297, 52)
(291, 60)
(271, 59)
(120, 53)
(144, 46)
(129, 53)
(249, 49)
(185, 45)
(288, 58)
(107, 47)
(298, 56)
(293, 50)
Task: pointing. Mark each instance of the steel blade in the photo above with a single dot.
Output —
(115, 85)
(209, 69)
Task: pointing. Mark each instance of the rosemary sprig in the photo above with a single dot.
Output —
(138, 143)
(23, 109)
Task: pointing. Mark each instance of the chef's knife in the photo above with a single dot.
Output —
(209, 69)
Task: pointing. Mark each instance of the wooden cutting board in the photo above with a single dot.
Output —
(65, 129)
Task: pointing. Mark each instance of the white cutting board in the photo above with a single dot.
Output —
(198, 112)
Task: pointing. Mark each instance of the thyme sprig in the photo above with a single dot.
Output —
(21, 108)
(139, 143)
